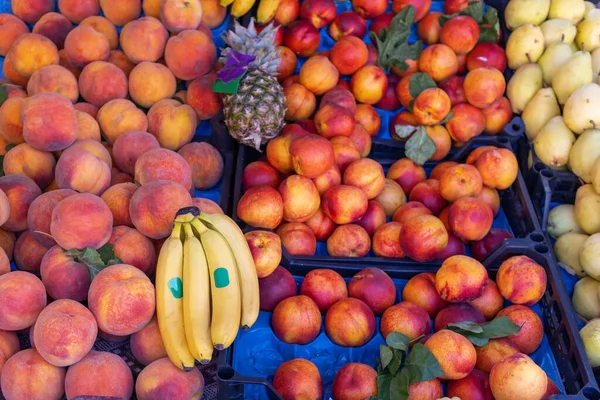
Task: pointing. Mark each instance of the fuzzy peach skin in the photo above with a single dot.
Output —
(40, 213)
(355, 381)
(490, 301)
(55, 27)
(144, 39)
(64, 62)
(172, 123)
(28, 161)
(190, 55)
(406, 318)
(532, 330)
(161, 379)
(349, 240)
(49, 122)
(99, 373)
(11, 126)
(521, 280)
(298, 379)
(82, 170)
(30, 52)
(329, 179)
(105, 27)
(151, 82)
(121, 297)
(119, 116)
(261, 207)
(77, 10)
(454, 352)
(344, 204)
(101, 82)
(296, 320)
(207, 205)
(202, 99)
(133, 248)
(4, 263)
(367, 175)
(118, 198)
(11, 28)
(154, 205)
(498, 168)
(515, 375)
(88, 127)
(63, 277)
(22, 298)
(21, 191)
(318, 75)
(494, 351)
(12, 76)
(85, 45)
(206, 163)
(180, 15)
(300, 198)
(26, 375)
(64, 332)
(80, 221)
(300, 102)
(420, 290)
(7, 243)
(4, 208)
(28, 253)
(129, 146)
(31, 11)
(152, 8)
(350, 323)
(9, 345)
(163, 164)
(146, 344)
(461, 279)
(120, 12)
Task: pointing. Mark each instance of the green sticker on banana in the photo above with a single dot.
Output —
(221, 276)
(176, 287)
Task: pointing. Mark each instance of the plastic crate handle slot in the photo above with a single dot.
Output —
(228, 375)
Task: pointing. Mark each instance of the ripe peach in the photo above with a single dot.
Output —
(421, 7)
(349, 54)
(470, 218)
(151, 82)
(517, 374)
(17, 382)
(478, 151)
(54, 26)
(521, 280)
(63, 277)
(331, 120)
(423, 237)
(7, 242)
(130, 146)
(83, 170)
(300, 198)
(403, 92)
(288, 65)
(442, 140)
(119, 116)
(439, 61)
(368, 117)
(391, 198)
(298, 378)
(303, 38)
(292, 79)
(498, 168)
(11, 124)
(428, 193)
(413, 66)
(4, 269)
(84, 45)
(190, 54)
(202, 99)
(11, 28)
(213, 14)
(369, 84)
(261, 207)
(460, 33)
(147, 345)
(133, 248)
(348, 23)
(300, 102)
(406, 318)
(179, 15)
(259, 173)
(35, 164)
(31, 11)
(483, 86)
(350, 323)
(406, 173)
(407, 212)
(494, 351)
(105, 27)
(318, 75)
(120, 12)
(349, 240)
(461, 279)
(389, 101)
(344, 204)
(279, 285)
(454, 88)
(40, 212)
(385, 241)
(319, 12)
(207, 206)
(49, 122)
(11, 74)
(355, 381)
(532, 331)
(381, 21)
(489, 243)
(373, 218)
(22, 298)
(429, 28)
(297, 238)
(459, 181)
(344, 151)
(87, 127)
(431, 389)
(4, 207)
(9, 346)
(497, 116)
(154, 205)
(14, 90)
(362, 140)
(431, 106)
(490, 301)
(420, 290)
(266, 251)
(454, 6)
(321, 225)
(325, 287)
(287, 12)
(296, 320)
(455, 313)
(163, 378)
(168, 116)
(373, 287)
(28, 253)
(339, 97)
(487, 54)
(21, 192)
(454, 352)
(367, 175)
(205, 162)
(101, 82)
(77, 11)
(476, 385)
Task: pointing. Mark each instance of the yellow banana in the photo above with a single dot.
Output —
(169, 300)
(196, 298)
(266, 10)
(224, 287)
(225, 3)
(241, 7)
(245, 264)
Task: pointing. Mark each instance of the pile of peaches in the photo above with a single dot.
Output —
(476, 100)
(459, 291)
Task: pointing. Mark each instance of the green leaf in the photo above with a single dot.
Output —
(404, 131)
(397, 340)
(396, 362)
(107, 254)
(392, 46)
(468, 326)
(447, 118)
(488, 34)
(420, 147)
(473, 10)
(386, 356)
(383, 387)
(406, 51)
(500, 327)
(399, 386)
(93, 258)
(422, 365)
(479, 334)
(3, 93)
(420, 82)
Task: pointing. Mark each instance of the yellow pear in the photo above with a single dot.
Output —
(582, 110)
(573, 10)
(587, 209)
(521, 12)
(571, 75)
(523, 85)
(553, 143)
(588, 31)
(596, 63)
(525, 45)
(553, 58)
(558, 31)
(589, 6)
(541, 109)
(584, 154)
(596, 176)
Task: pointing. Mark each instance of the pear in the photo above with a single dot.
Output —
(573, 74)
(588, 31)
(523, 85)
(596, 63)
(558, 31)
(584, 154)
(541, 109)
(587, 209)
(573, 10)
(589, 6)
(582, 110)
(524, 45)
(521, 12)
(553, 58)
(553, 143)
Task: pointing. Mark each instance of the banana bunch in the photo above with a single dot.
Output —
(266, 8)
(206, 287)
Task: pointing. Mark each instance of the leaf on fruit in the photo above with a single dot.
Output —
(479, 334)
(447, 118)
(385, 355)
(399, 385)
(392, 42)
(3, 93)
(95, 260)
(422, 365)
(383, 387)
(420, 147)
(419, 82)
(404, 131)
(398, 341)
(473, 10)
(490, 26)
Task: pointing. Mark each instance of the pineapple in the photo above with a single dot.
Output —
(255, 114)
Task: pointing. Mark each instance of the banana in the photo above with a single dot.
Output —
(169, 300)
(241, 7)
(225, 3)
(245, 264)
(196, 298)
(224, 287)
(266, 10)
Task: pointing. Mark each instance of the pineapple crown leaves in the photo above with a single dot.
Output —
(259, 45)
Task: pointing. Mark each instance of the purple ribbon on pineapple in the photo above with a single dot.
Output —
(235, 66)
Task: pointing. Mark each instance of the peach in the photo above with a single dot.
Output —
(28, 161)
(391, 198)
(259, 173)
(207, 206)
(28, 253)
(14, 90)
(454, 6)
(423, 237)
(490, 301)
(332, 121)
(11, 125)
(403, 92)
(77, 11)
(101, 82)
(487, 54)
(213, 14)
(494, 351)
(168, 116)
(455, 313)
(349, 54)
(9, 346)
(31, 11)
(117, 176)
(362, 140)
(101, 373)
(18, 372)
(63, 277)
(319, 12)
(475, 385)
(460, 33)
(318, 75)
(369, 84)
(521, 280)
(367, 175)
(406, 173)
(428, 194)
(84, 45)
(303, 38)
(12, 76)
(431, 106)
(491, 197)
(350, 323)
(279, 285)
(413, 66)
(344, 204)
(321, 225)
(498, 168)
(348, 23)
(325, 287)
(421, 7)
(87, 127)
(4, 267)
(120, 60)
(202, 99)
(408, 126)
(287, 12)
(298, 378)
(40, 212)
(355, 381)
(517, 374)
(120, 12)
(151, 82)
(454, 88)
(300, 198)
(406, 318)
(146, 344)
(22, 298)
(11, 28)
(82, 170)
(151, 8)
(261, 207)
(460, 181)
(454, 352)
(341, 98)
(104, 26)
(532, 331)
(133, 248)
(300, 102)
(266, 251)
(431, 389)
(429, 28)
(389, 101)
(373, 287)
(179, 15)
(296, 320)
(420, 290)
(368, 117)
(470, 218)
(4, 207)
(373, 218)
(297, 238)
(21, 191)
(438, 61)
(190, 54)
(497, 116)
(349, 240)
(369, 9)
(478, 151)
(483, 86)
(288, 65)
(162, 379)
(332, 177)
(130, 146)
(119, 116)
(467, 122)
(205, 162)
(407, 212)
(49, 122)
(461, 279)
(55, 27)
(489, 243)
(7, 242)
